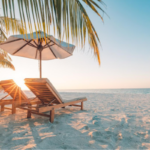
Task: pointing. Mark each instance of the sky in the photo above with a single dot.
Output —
(125, 53)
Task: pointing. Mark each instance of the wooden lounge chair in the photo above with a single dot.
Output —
(18, 96)
(49, 97)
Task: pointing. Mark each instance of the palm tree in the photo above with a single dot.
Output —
(14, 26)
(68, 18)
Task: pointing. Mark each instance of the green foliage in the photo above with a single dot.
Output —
(68, 18)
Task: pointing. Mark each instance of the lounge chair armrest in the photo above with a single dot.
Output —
(75, 99)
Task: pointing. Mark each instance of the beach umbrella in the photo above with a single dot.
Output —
(37, 45)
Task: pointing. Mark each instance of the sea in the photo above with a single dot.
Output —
(92, 91)
(111, 91)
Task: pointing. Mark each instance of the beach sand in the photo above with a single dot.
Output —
(108, 121)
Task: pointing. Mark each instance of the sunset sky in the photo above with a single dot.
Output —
(125, 53)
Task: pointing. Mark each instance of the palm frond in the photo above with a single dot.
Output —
(6, 64)
(5, 55)
(5, 60)
(3, 36)
(69, 19)
(11, 24)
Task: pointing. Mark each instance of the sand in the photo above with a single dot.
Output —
(109, 121)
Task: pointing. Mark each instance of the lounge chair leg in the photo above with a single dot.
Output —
(2, 107)
(29, 114)
(81, 105)
(13, 108)
(52, 113)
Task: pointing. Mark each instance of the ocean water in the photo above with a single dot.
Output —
(94, 91)
(111, 91)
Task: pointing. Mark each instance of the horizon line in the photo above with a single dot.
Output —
(103, 89)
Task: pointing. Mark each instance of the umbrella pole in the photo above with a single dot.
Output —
(40, 64)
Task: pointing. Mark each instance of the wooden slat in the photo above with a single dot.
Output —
(8, 108)
(48, 108)
(41, 114)
(75, 105)
(53, 93)
(39, 86)
(35, 83)
(38, 89)
(12, 89)
(46, 95)
(30, 111)
(5, 102)
(16, 103)
(35, 102)
(42, 91)
(25, 108)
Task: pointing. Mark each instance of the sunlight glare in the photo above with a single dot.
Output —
(19, 80)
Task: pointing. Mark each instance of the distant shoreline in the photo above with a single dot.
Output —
(104, 91)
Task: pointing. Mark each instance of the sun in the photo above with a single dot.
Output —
(19, 80)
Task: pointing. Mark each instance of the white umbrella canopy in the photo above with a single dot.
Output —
(37, 45)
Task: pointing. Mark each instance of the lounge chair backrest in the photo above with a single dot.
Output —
(13, 90)
(44, 90)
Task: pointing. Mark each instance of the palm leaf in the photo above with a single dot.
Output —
(5, 55)
(11, 24)
(6, 64)
(69, 19)
(5, 60)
